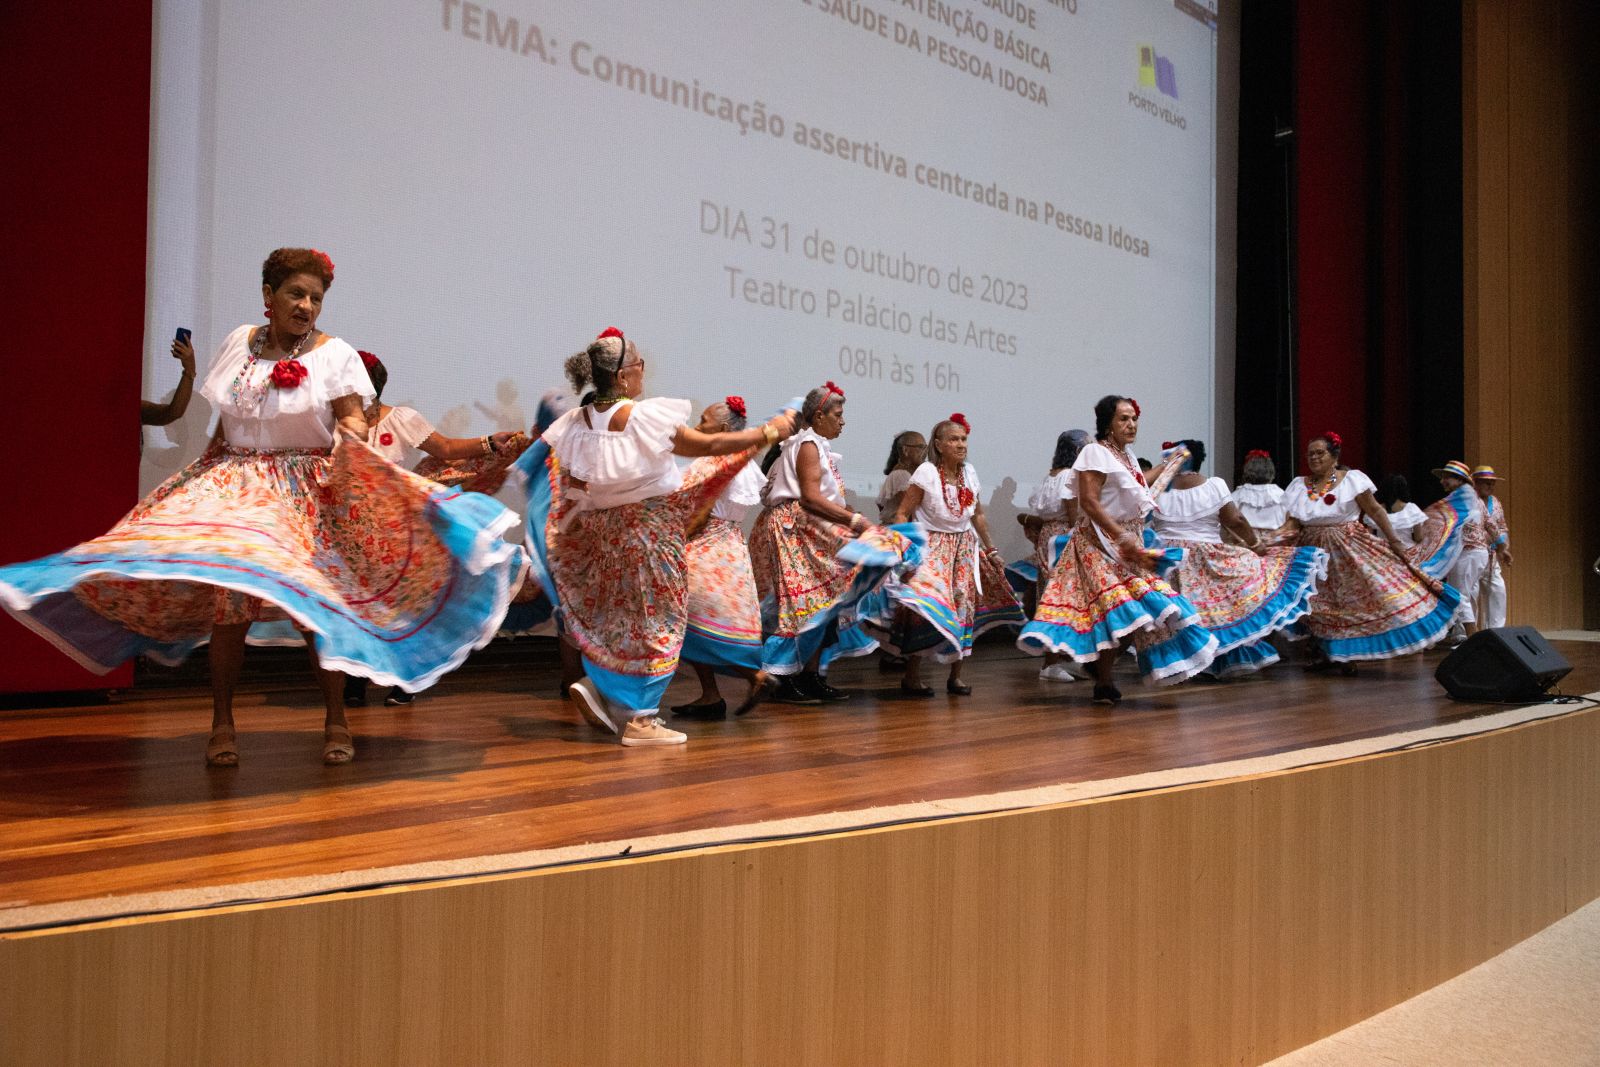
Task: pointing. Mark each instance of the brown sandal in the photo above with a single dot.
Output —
(222, 749)
(338, 747)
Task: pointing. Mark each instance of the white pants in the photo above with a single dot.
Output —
(1465, 576)
(1492, 594)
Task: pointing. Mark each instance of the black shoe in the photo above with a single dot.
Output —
(909, 690)
(712, 712)
(811, 682)
(355, 692)
(1107, 694)
(959, 689)
(398, 698)
(788, 692)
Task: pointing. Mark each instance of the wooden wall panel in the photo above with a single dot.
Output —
(1532, 359)
(1224, 923)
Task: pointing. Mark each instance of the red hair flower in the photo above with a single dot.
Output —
(961, 421)
(1333, 439)
(735, 405)
(386, 439)
(288, 373)
(610, 331)
(368, 360)
(1170, 444)
(830, 387)
(1136, 412)
(327, 264)
(1257, 453)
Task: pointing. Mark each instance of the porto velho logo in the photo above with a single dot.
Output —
(1156, 72)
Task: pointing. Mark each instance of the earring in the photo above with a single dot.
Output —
(269, 311)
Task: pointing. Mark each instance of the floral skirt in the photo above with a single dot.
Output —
(1093, 600)
(1242, 597)
(724, 613)
(1372, 605)
(619, 576)
(1027, 576)
(395, 578)
(950, 599)
(812, 579)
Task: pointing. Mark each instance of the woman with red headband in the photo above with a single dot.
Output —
(1377, 602)
(815, 558)
(1257, 496)
(1244, 592)
(960, 589)
(723, 632)
(1104, 590)
(385, 574)
(608, 515)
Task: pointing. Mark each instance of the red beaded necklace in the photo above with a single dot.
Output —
(1127, 461)
(963, 497)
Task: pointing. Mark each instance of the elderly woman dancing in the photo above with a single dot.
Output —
(609, 513)
(1243, 594)
(1103, 591)
(724, 622)
(385, 574)
(960, 590)
(815, 559)
(1378, 601)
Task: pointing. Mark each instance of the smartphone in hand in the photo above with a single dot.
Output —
(183, 335)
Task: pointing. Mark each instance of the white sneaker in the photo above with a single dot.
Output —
(592, 705)
(1059, 672)
(647, 730)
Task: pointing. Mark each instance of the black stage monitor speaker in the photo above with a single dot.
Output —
(1507, 664)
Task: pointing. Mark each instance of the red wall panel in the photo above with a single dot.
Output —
(77, 133)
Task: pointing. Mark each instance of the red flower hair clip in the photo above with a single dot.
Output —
(1136, 412)
(1333, 439)
(611, 331)
(327, 264)
(735, 405)
(368, 360)
(1170, 444)
(1257, 453)
(288, 373)
(961, 421)
(830, 387)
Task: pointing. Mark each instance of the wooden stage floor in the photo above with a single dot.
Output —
(116, 800)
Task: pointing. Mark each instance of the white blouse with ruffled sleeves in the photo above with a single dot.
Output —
(1320, 512)
(1261, 505)
(742, 493)
(301, 417)
(783, 481)
(1049, 497)
(937, 511)
(1193, 514)
(1407, 523)
(621, 466)
(1124, 496)
(398, 436)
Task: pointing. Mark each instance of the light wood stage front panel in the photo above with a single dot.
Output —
(1223, 923)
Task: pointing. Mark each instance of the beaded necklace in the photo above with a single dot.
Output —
(248, 396)
(1323, 489)
(1127, 461)
(963, 497)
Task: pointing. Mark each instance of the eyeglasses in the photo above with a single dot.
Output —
(629, 366)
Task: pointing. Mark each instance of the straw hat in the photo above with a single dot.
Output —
(1456, 468)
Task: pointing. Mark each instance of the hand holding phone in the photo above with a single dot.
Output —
(182, 350)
